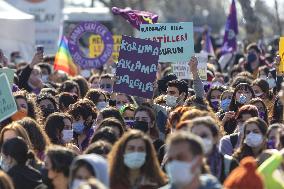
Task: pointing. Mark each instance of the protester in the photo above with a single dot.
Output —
(83, 114)
(57, 163)
(15, 154)
(220, 165)
(134, 156)
(58, 128)
(184, 163)
(37, 135)
(88, 166)
(254, 139)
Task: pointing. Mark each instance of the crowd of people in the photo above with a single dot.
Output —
(76, 133)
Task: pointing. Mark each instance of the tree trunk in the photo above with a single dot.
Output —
(253, 24)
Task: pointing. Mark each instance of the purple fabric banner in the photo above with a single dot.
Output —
(231, 31)
(136, 17)
(137, 66)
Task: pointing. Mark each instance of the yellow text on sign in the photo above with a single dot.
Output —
(96, 46)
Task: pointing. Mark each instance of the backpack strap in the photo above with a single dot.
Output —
(227, 161)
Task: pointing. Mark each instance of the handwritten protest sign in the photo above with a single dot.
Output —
(137, 66)
(96, 46)
(78, 51)
(8, 105)
(281, 54)
(9, 73)
(177, 43)
(182, 70)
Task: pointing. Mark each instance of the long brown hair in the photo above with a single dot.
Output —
(119, 173)
(244, 150)
(5, 181)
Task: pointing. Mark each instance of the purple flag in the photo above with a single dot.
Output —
(231, 31)
(136, 17)
(208, 48)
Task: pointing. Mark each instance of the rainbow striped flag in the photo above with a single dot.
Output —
(63, 60)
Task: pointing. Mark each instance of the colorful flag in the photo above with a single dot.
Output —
(63, 60)
(231, 31)
(136, 17)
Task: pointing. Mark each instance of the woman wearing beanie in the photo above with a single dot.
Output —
(245, 176)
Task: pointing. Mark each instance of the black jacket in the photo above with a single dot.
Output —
(25, 177)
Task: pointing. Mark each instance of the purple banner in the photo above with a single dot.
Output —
(137, 66)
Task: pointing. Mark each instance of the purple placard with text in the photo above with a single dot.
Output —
(137, 66)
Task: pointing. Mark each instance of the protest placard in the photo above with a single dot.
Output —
(182, 70)
(80, 54)
(281, 54)
(177, 43)
(8, 105)
(137, 66)
(9, 73)
(96, 46)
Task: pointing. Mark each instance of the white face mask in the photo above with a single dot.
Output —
(253, 140)
(76, 183)
(258, 94)
(271, 82)
(4, 165)
(67, 135)
(216, 84)
(101, 105)
(134, 160)
(171, 101)
(208, 145)
(180, 172)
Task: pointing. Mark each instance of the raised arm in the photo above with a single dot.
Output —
(197, 83)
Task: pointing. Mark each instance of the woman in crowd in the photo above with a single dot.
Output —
(109, 112)
(115, 124)
(214, 97)
(205, 127)
(98, 97)
(88, 166)
(58, 128)
(254, 139)
(261, 107)
(261, 90)
(70, 87)
(83, 85)
(146, 115)
(27, 106)
(65, 99)
(127, 111)
(133, 163)
(37, 135)
(57, 163)
(47, 104)
(15, 154)
(243, 93)
(14, 130)
(229, 143)
(83, 115)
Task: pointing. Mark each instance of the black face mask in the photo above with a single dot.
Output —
(141, 125)
(47, 111)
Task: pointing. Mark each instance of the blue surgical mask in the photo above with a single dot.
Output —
(134, 160)
(243, 99)
(78, 127)
(251, 57)
(225, 104)
(101, 105)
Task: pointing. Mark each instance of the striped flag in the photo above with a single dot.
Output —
(63, 60)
